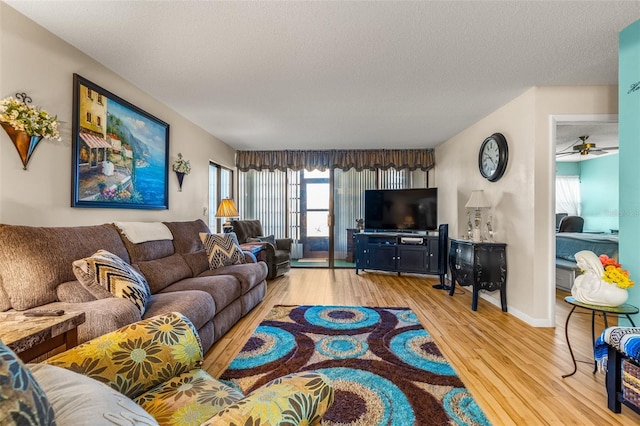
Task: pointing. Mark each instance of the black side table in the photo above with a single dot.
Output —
(482, 265)
(624, 309)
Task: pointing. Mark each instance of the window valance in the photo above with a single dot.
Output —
(359, 159)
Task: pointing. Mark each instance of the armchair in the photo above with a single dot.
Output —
(156, 363)
(277, 250)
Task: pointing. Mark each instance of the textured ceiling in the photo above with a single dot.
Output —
(321, 75)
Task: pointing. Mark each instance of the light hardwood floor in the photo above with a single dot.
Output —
(512, 370)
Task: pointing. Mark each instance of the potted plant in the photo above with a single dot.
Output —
(26, 125)
(182, 167)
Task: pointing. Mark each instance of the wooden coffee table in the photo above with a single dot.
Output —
(31, 337)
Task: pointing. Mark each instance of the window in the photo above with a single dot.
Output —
(88, 117)
(264, 196)
(99, 98)
(568, 195)
(90, 94)
(220, 186)
(99, 121)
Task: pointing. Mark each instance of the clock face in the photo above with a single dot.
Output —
(493, 156)
(490, 157)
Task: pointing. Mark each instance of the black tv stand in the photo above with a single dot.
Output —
(397, 252)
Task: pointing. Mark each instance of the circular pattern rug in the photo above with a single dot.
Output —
(384, 366)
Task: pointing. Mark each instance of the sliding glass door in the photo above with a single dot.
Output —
(317, 210)
(314, 210)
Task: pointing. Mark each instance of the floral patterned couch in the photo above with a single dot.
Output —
(149, 373)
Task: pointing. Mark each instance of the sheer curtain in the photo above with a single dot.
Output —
(568, 195)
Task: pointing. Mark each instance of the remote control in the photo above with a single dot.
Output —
(44, 313)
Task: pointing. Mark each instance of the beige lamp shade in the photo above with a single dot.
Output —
(227, 208)
(477, 200)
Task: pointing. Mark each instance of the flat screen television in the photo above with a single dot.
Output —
(401, 210)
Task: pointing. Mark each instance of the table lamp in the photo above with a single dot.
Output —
(227, 209)
(478, 202)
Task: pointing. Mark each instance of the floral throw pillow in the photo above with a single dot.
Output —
(106, 275)
(222, 249)
(22, 400)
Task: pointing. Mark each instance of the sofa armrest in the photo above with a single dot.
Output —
(137, 357)
(300, 398)
(284, 244)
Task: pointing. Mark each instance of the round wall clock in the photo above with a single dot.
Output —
(493, 157)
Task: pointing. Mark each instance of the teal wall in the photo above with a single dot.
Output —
(567, 169)
(599, 193)
(629, 129)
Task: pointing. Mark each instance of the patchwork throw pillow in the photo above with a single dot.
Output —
(106, 275)
(222, 249)
(76, 399)
(22, 400)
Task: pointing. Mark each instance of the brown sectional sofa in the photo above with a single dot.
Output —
(36, 272)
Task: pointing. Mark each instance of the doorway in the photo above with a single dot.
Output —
(315, 197)
(566, 133)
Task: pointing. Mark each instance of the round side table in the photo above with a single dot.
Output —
(624, 309)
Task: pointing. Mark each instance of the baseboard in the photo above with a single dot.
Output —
(534, 322)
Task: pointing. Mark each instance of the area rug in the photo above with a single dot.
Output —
(385, 368)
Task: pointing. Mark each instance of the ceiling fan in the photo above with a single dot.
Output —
(582, 147)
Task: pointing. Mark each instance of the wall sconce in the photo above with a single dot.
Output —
(478, 202)
(227, 209)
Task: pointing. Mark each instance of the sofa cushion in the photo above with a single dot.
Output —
(74, 292)
(163, 272)
(47, 253)
(197, 261)
(222, 249)
(223, 288)
(101, 315)
(138, 357)
(105, 273)
(76, 398)
(185, 235)
(197, 306)
(22, 400)
(195, 391)
(249, 274)
(149, 250)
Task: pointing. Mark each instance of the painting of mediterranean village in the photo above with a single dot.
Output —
(120, 153)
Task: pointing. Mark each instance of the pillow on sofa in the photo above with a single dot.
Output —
(222, 249)
(76, 398)
(106, 275)
(22, 400)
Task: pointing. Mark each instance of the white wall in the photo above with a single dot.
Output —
(38, 63)
(522, 199)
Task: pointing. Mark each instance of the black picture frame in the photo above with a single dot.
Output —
(120, 153)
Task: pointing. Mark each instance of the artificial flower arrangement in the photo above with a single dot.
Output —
(181, 165)
(34, 121)
(613, 272)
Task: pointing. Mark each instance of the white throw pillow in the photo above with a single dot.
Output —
(79, 400)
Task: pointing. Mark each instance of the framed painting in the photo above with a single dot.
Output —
(120, 152)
